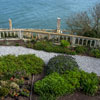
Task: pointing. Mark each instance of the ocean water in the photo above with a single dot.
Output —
(40, 14)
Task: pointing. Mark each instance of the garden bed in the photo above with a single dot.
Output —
(27, 62)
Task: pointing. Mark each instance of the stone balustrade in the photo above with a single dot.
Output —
(56, 37)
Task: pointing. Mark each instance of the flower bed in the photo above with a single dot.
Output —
(16, 72)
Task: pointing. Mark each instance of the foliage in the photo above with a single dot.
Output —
(81, 49)
(31, 63)
(53, 84)
(65, 43)
(89, 82)
(29, 45)
(3, 91)
(21, 65)
(86, 23)
(50, 47)
(60, 64)
(95, 53)
(73, 77)
(17, 44)
(41, 45)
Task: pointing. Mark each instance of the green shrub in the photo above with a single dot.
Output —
(41, 45)
(31, 63)
(89, 82)
(29, 45)
(65, 43)
(73, 77)
(81, 50)
(50, 47)
(70, 52)
(22, 65)
(60, 64)
(95, 53)
(17, 44)
(53, 84)
(3, 92)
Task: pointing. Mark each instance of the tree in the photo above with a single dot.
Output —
(86, 23)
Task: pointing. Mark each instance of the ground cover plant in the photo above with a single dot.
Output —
(50, 47)
(56, 85)
(65, 77)
(78, 50)
(16, 73)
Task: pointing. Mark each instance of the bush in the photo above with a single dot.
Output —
(29, 45)
(22, 65)
(41, 45)
(53, 84)
(73, 77)
(17, 44)
(50, 47)
(95, 53)
(65, 43)
(3, 92)
(89, 82)
(31, 63)
(60, 64)
(81, 50)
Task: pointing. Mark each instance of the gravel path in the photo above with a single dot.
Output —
(88, 64)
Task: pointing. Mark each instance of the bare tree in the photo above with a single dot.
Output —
(85, 22)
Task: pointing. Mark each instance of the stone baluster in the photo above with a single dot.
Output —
(6, 34)
(0, 34)
(49, 36)
(66, 38)
(95, 43)
(82, 41)
(78, 41)
(99, 43)
(63, 37)
(14, 34)
(58, 38)
(73, 39)
(38, 36)
(11, 34)
(90, 43)
(31, 35)
(20, 35)
(86, 42)
(3, 34)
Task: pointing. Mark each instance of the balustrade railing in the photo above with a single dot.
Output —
(38, 34)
